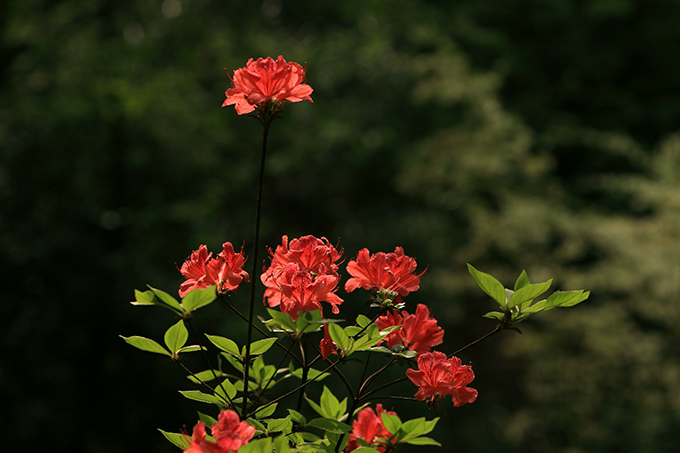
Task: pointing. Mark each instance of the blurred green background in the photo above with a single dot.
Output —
(525, 134)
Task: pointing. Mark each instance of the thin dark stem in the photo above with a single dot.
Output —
(256, 245)
(264, 334)
(334, 367)
(227, 402)
(305, 371)
(207, 360)
(478, 340)
(271, 379)
(396, 381)
(375, 375)
(303, 385)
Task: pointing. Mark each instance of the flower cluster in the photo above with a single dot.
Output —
(389, 274)
(302, 274)
(230, 434)
(419, 332)
(202, 270)
(438, 376)
(369, 427)
(266, 79)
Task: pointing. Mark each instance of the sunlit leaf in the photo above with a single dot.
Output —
(225, 344)
(330, 425)
(198, 298)
(146, 344)
(179, 440)
(489, 285)
(176, 336)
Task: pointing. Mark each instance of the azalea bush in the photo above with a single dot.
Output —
(257, 387)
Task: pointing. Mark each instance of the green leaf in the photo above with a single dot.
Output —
(363, 321)
(176, 336)
(423, 441)
(225, 344)
(340, 338)
(566, 298)
(226, 390)
(330, 425)
(207, 419)
(281, 444)
(145, 298)
(297, 417)
(413, 428)
(196, 395)
(266, 412)
(392, 422)
(417, 427)
(167, 300)
(528, 293)
(280, 320)
(352, 330)
(260, 346)
(331, 407)
(205, 376)
(277, 425)
(191, 348)
(199, 298)
(311, 374)
(522, 281)
(263, 445)
(494, 315)
(489, 285)
(177, 439)
(233, 361)
(146, 344)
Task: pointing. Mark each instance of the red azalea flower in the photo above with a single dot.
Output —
(438, 376)
(267, 79)
(369, 427)
(301, 275)
(418, 332)
(383, 271)
(225, 270)
(327, 345)
(229, 432)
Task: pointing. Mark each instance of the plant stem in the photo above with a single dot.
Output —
(256, 245)
(305, 371)
(264, 334)
(478, 340)
(207, 360)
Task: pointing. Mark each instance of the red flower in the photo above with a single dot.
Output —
(267, 79)
(225, 271)
(418, 332)
(301, 275)
(369, 427)
(327, 345)
(438, 376)
(229, 432)
(383, 271)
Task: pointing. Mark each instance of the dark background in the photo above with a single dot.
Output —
(524, 134)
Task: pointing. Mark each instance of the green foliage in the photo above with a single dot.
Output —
(518, 305)
(535, 135)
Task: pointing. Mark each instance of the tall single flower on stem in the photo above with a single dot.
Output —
(438, 376)
(267, 85)
(230, 434)
(419, 332)
(202, 270)
(391, 275)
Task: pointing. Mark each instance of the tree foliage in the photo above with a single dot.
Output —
(528, 135)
